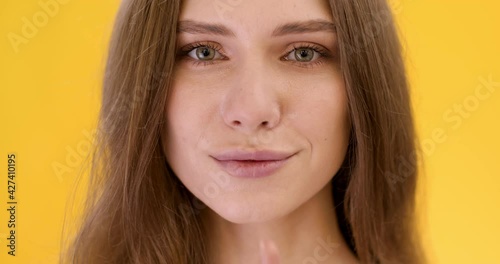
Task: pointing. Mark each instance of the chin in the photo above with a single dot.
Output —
(244, 213)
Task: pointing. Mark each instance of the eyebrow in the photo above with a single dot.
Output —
(309, 26)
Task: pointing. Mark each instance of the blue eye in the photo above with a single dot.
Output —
(307, 52)
(204, 53)
(305, 55)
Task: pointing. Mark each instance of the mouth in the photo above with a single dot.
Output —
(242, 155)
(260, 164)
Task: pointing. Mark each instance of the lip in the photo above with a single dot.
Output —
(254, 164)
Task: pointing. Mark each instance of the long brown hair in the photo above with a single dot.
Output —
(137, 211)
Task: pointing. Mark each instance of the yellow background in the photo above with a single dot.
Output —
(50, 96)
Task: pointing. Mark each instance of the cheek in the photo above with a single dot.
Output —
(192, 108)
(323, 120)
(179, 122)
(323, 109)
(187, 113)
(188, 121)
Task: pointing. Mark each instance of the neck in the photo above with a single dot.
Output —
(310, 234)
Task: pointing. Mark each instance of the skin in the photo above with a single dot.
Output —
(252, 93)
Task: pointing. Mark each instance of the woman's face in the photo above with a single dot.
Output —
(256, 76)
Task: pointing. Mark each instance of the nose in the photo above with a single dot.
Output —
(252, 102)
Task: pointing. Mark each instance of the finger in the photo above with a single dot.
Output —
(269, 253)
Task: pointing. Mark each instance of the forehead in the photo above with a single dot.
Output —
(247, 16)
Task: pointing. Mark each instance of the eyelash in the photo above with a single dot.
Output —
(323, 54)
